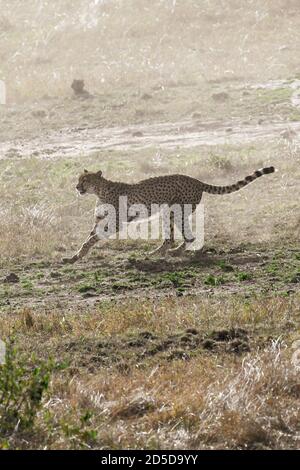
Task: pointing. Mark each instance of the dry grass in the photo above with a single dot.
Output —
(170, 42)
(234, 405)
(211, 399)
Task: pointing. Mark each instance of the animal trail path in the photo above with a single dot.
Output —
(185, 134)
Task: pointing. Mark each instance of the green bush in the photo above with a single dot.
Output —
(22, 384)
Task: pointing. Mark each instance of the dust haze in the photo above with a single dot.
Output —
(136, 89)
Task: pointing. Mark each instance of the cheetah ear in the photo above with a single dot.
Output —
(85, 171)
(99, 173)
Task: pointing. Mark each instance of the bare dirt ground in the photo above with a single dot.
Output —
(254, 121)
(122, 274)
(183, 134)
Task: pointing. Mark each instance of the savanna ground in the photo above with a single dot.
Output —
(124, 350)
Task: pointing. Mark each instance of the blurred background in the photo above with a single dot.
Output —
(117, 43)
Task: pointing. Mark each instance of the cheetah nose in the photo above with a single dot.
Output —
(80, 189)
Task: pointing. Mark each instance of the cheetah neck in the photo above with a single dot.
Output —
(106, 187)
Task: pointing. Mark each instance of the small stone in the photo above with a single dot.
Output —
(39, 113)
(220, 97)
(79, 90)
(12, 278)
(146, 96)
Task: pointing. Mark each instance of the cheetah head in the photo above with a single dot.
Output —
(88, 182)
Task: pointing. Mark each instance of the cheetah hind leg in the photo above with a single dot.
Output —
(178, 250)
(188, 239)
(168, 242)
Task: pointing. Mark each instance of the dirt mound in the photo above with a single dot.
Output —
(124, 352)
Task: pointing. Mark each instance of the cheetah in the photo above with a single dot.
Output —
(162, 190)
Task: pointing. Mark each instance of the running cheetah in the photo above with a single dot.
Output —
(167, 190)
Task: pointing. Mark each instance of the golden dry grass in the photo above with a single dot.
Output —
(212, 399)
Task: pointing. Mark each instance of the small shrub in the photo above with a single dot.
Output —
(219, 162)
(225, 266)
(242, 276)
(214, 280)
(22, 385)
(81, 434)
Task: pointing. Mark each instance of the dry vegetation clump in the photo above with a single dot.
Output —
(190, 372)
(208, 398)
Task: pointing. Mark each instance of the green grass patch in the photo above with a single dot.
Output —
(214, 281)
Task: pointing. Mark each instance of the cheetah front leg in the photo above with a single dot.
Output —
(85, 248)
(98, 233)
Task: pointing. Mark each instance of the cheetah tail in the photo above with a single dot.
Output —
(239, 185)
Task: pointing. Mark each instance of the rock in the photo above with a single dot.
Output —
(220, 97)
(196, 115)
(11, 278)
(137, 134)
(39, 113)
(146, 96)
(79, 91)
